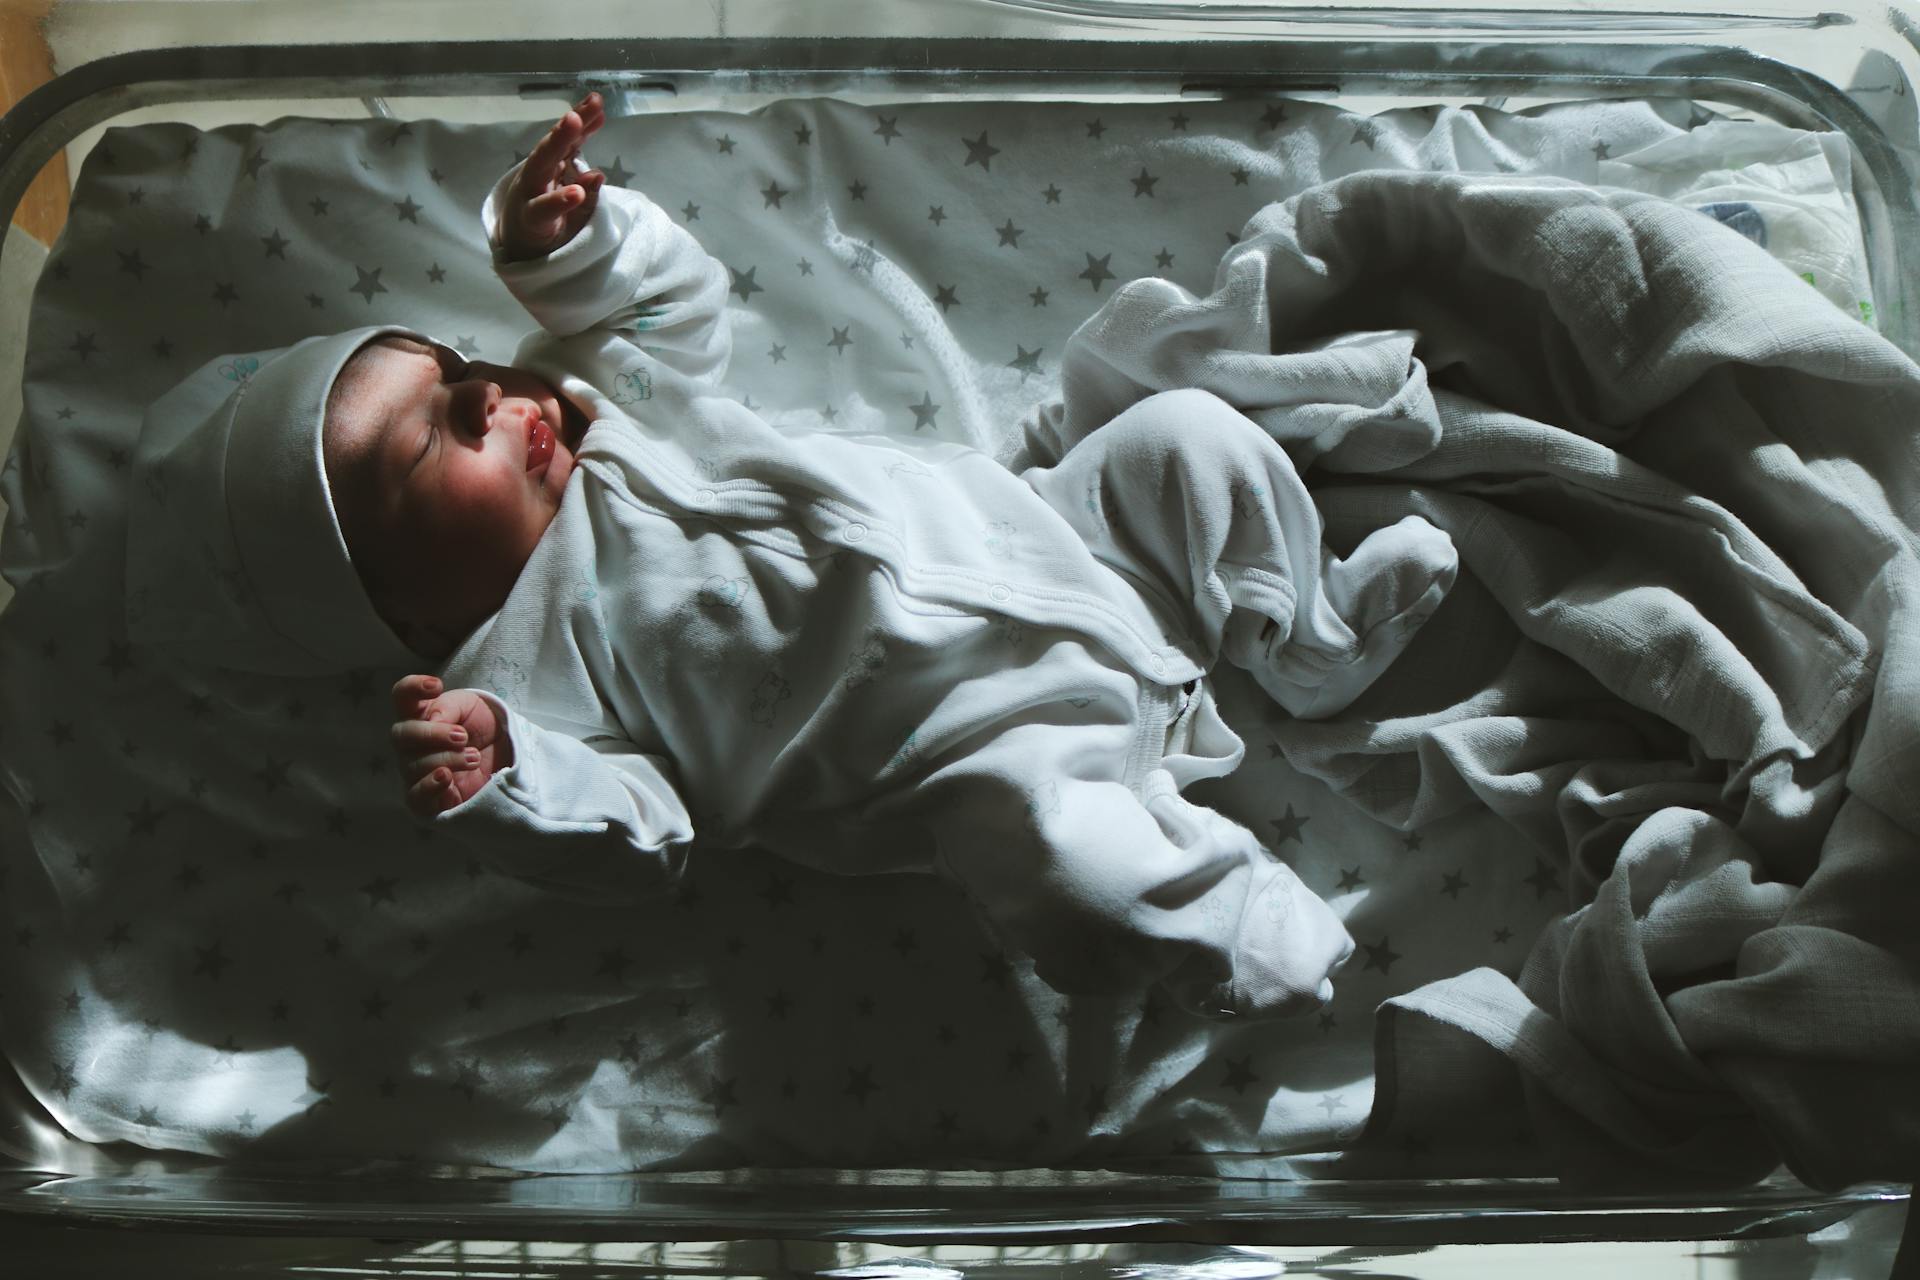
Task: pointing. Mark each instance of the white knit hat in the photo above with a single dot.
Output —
(235, 557)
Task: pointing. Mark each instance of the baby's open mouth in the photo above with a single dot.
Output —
(539, 446)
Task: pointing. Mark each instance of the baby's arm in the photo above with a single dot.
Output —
(582, 256)
(596, 820)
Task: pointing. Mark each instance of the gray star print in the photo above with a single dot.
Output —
(743, 283)
(1096, 273)
(210, 961)
(368, 283)
(1240, 1074)
(1379, 956)
(980, 152)
(923, 413)
(1544, 880)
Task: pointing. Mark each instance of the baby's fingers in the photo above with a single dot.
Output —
(411, 694)
(432, 794)
(545, 212)
(414, 768)
(552, 155)
(592, 112)
(419, 737)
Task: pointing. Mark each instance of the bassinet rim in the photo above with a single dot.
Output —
(54, 115)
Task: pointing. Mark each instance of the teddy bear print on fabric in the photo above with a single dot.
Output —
(507, 678)
(1044, 804)
(723, 592)
(772, 690)
(1246, 500)
(865, 662)
(631, 386)
(904, 756)
(904, 467)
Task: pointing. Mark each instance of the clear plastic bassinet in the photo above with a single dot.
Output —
(1847, 69)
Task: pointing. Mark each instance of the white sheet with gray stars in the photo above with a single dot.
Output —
(223, 935)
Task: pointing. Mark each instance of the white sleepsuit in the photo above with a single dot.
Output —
(874, 654)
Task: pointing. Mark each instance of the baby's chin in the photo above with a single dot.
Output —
(559, 471)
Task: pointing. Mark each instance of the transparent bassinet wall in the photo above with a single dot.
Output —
(1848, 67)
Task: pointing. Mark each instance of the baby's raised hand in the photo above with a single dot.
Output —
(555, 195)
(448, 744)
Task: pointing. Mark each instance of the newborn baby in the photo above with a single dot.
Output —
(655, 615)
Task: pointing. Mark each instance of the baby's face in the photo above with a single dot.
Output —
(444, 474)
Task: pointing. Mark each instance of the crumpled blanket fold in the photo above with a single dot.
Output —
(1683, 658)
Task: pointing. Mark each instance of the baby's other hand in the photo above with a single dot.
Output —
(448, 744)
(555, 194)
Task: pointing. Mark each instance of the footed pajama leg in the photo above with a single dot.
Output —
(1205, 513)
(1110, 887)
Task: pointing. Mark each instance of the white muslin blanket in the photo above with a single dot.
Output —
(1684, 661)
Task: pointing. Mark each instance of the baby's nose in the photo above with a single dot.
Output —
(474, 403)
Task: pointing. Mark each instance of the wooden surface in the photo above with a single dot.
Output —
(26, 64)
